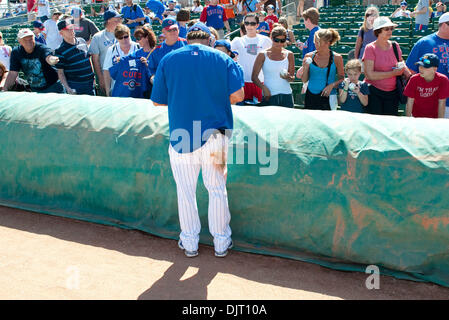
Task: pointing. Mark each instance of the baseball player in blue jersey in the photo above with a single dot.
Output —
(200, 123)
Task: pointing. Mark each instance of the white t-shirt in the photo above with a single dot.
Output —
(54, 38)
(113, 52)
(402, 13)
(5, 55)
(43, 10)
(248, 48)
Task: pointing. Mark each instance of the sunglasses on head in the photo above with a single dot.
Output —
(124, 37)
(252, 23)
(281, 40)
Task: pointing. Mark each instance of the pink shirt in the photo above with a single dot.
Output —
(384, 60)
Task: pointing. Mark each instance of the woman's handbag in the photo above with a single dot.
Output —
(400, 80)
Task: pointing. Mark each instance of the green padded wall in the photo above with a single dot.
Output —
(348, 190)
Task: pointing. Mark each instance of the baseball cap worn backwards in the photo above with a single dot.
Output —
(24, 33)
(199, 26)
(110, 14)
(429, 60)
(169, 23)
(444, 18)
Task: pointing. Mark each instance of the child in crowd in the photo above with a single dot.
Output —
(183, 17)
(353, 92)
(271, 17)
(38, 27)
(427, 90)
(264, 27)
(290, 35)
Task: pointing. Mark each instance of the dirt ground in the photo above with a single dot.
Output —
(49, 257)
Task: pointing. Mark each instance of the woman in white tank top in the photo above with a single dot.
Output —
(278, 66)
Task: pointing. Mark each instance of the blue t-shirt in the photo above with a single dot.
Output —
(157, 7)
(182, 31)
(352, 102)
(131, 13)
(264, 28)
(131, 77)
(251, 5)
(160, 51)
(309, 45)
(203, 97)
(40, 38)
(431, 44)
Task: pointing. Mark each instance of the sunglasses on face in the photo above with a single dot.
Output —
(281, 40)
(138, 38)
(124, 37)
(252, 23)
(388, 28)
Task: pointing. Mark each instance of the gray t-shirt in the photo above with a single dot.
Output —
(368, 37)
(85, 29)
(424, 17)
(100, 43)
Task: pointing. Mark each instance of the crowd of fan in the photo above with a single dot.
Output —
(69, 54)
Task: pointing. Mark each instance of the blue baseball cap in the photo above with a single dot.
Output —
(199, 26)
(38, 24)
(76, 12)
(110, 14)
(169, 23)
(226, 44)
(429, 60)
(403, 3)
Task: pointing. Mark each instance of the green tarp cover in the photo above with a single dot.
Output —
(339, 189)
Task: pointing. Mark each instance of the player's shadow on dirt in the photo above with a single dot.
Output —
(182, 280)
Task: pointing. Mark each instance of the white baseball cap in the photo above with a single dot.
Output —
(444, 18)
(24, 33)
(383, 22)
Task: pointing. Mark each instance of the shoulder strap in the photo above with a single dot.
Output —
(331, 59)
(395, 49)
(248, 6)
(362, 32)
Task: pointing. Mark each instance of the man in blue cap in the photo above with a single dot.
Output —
(428, 90)
(158, 8)
(172, 42)
(200, 124)
(100, 43)
(436, 43)
(401, 11)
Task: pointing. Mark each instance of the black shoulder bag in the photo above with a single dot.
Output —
(400, 80)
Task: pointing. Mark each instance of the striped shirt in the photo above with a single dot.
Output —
(74, 60)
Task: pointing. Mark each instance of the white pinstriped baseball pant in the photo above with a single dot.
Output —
(211, 159)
